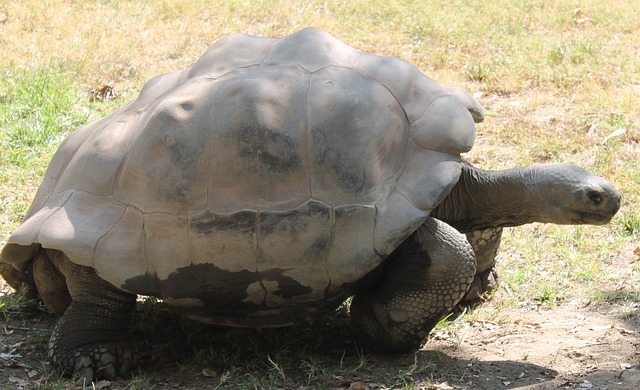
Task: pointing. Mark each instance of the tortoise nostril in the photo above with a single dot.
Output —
(595, 197)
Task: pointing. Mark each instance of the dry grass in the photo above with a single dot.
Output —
(558, 85)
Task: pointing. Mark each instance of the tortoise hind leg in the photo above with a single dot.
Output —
(424, 279)
(51, 284)
(92, 338)
(18, 280)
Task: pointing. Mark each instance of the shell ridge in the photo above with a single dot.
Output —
(403, 170)
(405, 197)
(427, 107)
(413, 141)
(208, 151)
(309, 138)
(372, 79)
(332, 216)
(92, 129)
(54, 213)
(258, 234)
(222, 75)
(376, 216)
(125, 156)
(145, 252)
(368, 77)
(97, 243)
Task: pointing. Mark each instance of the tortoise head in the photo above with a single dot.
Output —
(574, 195)
(553, 193)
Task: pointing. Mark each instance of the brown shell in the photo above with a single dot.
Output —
(272, 172)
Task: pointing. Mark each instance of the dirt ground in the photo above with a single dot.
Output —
(569, 346)
(566, 347)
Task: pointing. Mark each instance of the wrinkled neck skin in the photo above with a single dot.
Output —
(489, 199)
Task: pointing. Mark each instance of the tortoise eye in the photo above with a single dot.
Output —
(595, 197)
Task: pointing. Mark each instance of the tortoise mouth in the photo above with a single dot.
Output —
(582, 217)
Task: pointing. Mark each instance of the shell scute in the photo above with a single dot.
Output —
(294, 243)
(229, 53)
(445, 126)
(123, 247)
(258, 142)
(166, 160)
(352, 253)
(73, 229)
(357, 134)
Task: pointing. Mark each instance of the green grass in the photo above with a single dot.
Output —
(630, 223)
(36, 112)
(38, 108)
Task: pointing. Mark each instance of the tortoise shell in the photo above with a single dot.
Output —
(273, 173)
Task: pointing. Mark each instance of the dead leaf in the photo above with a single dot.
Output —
(625, 331)
(491, 325)
(489, 340)
(441, 335)
(17, 381)
(104, 92)
(600, 327)
(528, 324)
(616, 133)
(207, 373)
(442, 386)
(103, 384)
(580, 18)
(359, 385)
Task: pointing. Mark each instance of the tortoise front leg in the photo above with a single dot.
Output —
(485, 244)
(92, 338)
(423, 280)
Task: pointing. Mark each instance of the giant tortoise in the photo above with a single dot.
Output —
(264, 186)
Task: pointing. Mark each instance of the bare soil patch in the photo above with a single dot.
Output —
(564, 347)
(568, 346)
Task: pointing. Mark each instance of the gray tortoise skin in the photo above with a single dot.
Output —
(262, 187)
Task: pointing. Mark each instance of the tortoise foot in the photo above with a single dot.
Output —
(104, 360)
(483, 284)
(87, 342)
(92, 338)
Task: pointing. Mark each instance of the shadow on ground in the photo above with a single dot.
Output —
(175, 352)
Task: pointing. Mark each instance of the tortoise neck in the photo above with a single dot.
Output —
(491, 199)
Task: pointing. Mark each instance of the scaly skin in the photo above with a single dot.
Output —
(16, 279)
(92, 338)
(485, 244)
(422, 281)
